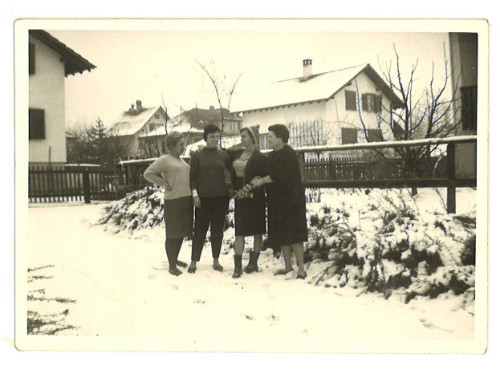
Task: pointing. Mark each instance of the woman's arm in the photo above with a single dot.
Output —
(153, 174)
(257, 182)
(193, 179)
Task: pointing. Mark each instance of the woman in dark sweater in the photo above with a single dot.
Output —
(287, 224)
(250, 206)
(211, 186)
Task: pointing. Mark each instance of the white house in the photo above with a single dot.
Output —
(50, 61)
(340, 106)
(142, 130)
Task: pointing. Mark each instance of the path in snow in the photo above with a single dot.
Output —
(122, 288)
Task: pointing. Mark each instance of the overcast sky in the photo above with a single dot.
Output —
(158, 67)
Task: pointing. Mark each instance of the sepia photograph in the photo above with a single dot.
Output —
(252, 185)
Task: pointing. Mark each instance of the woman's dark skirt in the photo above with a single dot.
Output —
(178, 217)
(287, 220)
(249, 213)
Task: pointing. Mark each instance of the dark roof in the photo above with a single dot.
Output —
(73, 62)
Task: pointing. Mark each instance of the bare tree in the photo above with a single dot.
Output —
(224, 89)
(425, 115)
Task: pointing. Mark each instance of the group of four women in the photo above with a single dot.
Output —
(212, 178)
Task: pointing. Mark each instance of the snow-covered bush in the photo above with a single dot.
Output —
(380, 241)
(143, 209)
(138, 210)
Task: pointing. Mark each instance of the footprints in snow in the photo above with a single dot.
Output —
(271, 318)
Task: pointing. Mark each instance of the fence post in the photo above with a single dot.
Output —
(86, 185)
(451, 201)
(300, 158)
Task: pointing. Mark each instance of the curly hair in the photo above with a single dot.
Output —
(173, 138)
(280, 131)
(210, 129)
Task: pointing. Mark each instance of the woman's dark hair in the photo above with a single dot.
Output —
(280, 131)
(173, 138)
(210, 129)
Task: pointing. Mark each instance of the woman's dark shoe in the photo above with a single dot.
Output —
(192, 268)
(252, 263)
(237, 266)
(302, 276)
(218, 267)
(283, 271)
(175, 271)
(182, 264)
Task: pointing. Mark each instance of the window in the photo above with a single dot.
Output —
(372, 103)
(263, 142)
(157, 115)
(349, 135)
(374, 135)
(36, 124)
(469, 107)
(31, 57)
(350, 100)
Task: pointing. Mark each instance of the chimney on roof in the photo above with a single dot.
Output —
(138, 105)
(307, 66)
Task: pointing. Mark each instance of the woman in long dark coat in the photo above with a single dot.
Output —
(250, 206)
(172, 172)
(287, 223)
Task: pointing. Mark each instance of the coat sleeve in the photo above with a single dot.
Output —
(262, 169)
(283, 173)
(194, 171)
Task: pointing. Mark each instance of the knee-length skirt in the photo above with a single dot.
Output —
(178, 217)
(250, 213)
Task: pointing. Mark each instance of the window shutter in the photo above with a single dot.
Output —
(31, 57)
(350, 100)
(349, 136)
(378, 103)
(364, 102)
(469, 107)
(36, 124)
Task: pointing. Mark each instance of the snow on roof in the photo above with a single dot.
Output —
(131, 121)
(227, 142)
(184, 127)
(320, 86)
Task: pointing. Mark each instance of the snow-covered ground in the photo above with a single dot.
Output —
(117, 285)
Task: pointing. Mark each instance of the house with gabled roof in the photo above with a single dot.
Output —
(50, 62)
(142, 130)
(197, 118)
(342, 106)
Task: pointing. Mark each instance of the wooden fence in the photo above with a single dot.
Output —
(428, 172)
(326, 167)
(64, 184)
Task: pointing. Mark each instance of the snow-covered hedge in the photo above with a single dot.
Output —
(383, 241)
(141, 209)
(378, 240)
(138, 210)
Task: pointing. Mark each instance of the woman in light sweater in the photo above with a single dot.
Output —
(172, 172)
